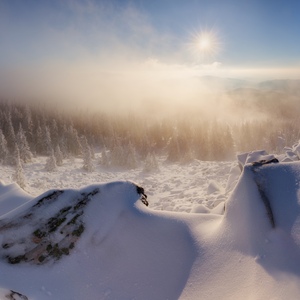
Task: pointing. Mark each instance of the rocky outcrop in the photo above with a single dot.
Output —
(50, 228)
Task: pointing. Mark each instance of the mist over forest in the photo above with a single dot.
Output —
(120, 79)
(241, 118)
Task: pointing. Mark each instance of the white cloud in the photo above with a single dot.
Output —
(212, 66)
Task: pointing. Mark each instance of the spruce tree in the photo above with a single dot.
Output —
(3, 148)
(151, 163)
(51, 163)
(104, 159)
(131, 160)
(19, 176)
(28, 125)
(47, 140)
(39, 145)
(74, 145)
(87, 156)
(58, 156)
(10, 133)
(25, 153)
(117, 156)
(174, 153)
(54, 132)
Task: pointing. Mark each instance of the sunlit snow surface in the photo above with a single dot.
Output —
(130, 251)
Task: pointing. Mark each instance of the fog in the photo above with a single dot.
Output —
(135, 85)
(147, 87)
(112, 58)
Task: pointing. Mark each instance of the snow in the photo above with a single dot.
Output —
(175, 187)
(11, 197)
(183, 245)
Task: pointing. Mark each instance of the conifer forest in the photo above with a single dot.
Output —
(125, 140)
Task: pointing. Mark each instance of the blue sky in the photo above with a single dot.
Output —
(251, 32)
(48, 46)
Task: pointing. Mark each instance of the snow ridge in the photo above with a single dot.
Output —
(50, 228)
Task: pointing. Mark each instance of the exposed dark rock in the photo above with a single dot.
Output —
(36, 237)
(264, 162)
(141, 192)
(263, 194)
(53, 196)
(15, 296)
(43, 245)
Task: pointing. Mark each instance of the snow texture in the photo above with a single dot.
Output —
(106, 244)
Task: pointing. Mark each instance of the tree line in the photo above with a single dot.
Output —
(125, 141)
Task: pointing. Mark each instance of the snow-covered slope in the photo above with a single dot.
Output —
(93, 242)
(102, 242)
(248, 254)
(11, 196)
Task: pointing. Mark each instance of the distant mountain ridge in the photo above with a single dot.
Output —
(283, 85)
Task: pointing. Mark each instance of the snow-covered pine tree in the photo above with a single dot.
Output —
(199, 141)
(58, 156)
(19, 176)
(72, 140)
(3, 148)
(220, 142)
(229, 144)
(25, 153)
(51, 162)
(54, 132)
(131, 160)
(104, 159)
(28, 125)
(87, 156)
(117, 156)
(174, 153)
(9, 133)
(39, 145)
(151, 163)
(93, 152)
(47, 140)
(63, 147)
(215, 141)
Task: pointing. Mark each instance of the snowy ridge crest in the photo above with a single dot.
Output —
(50, 228)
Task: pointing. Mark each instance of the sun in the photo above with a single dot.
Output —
(205, 44)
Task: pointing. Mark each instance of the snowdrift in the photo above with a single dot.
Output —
(11, 196)
(103, 242)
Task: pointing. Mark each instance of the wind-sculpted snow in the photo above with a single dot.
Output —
(264, 216)
(49, 227)
(11, 196)
(85, 242)
(106, 244)
(47, 230)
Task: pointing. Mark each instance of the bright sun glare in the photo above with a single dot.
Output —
(205, 44)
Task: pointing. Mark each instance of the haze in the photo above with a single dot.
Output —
(131, 55)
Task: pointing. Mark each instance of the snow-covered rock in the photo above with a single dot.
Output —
(12, 295)
(80, 244)
(253, 156)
